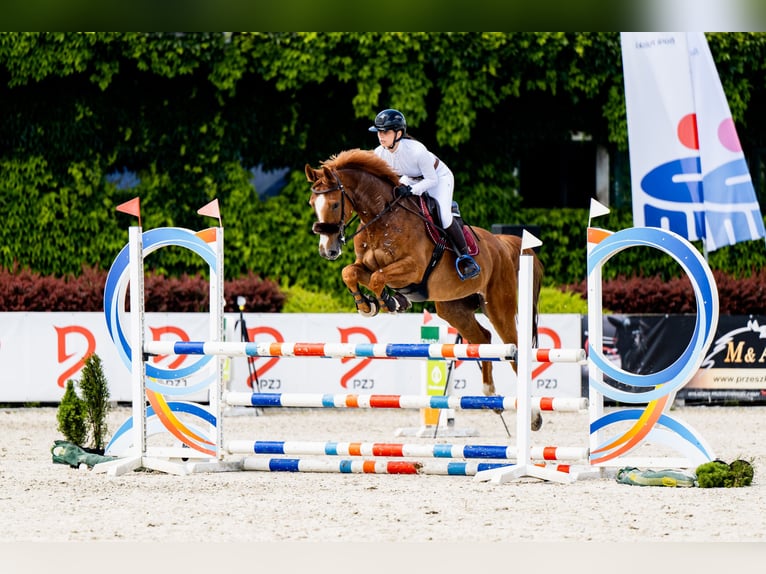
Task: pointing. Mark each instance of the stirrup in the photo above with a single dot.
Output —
(472, 268)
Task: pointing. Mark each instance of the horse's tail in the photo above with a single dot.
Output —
(537, 283)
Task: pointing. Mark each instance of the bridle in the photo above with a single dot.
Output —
(325, 228)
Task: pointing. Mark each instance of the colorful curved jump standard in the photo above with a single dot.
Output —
(198, 429)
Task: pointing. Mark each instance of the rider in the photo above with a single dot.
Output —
(419, 171)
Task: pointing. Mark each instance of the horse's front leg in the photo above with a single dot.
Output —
(353, 275)
(379, 274)
(377, 284)
(488, 386)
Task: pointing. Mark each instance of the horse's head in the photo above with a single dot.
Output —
(353, 182)
(332, 208)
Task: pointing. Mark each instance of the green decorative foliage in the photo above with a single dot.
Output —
(555, 301)
(741, 473)
(71, 415)
(300, 300)
(718, 474)
(95, 394)
(80, 418)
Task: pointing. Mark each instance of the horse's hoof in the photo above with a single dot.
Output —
(537, 421)
(372, 309)
(402, 303)
(395, 302)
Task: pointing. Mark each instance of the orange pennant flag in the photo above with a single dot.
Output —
(132, 207)
(211, 210)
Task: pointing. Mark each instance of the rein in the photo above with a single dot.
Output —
(340, 226)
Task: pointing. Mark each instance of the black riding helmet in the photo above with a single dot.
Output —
(389, 120)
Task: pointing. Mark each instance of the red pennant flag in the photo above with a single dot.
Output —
(426, 316)
(211, 210)
(132, 207)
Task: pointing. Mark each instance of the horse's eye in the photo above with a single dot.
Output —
(336, 205)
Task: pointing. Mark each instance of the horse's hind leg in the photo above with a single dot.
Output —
(394, 301)
(505, 325)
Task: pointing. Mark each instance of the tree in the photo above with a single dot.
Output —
(71, 415)
(95, 394)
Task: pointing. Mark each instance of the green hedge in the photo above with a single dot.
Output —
(92, 120)
(75, 225)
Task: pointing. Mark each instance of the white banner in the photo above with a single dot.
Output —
(688, 172)
(39, 352)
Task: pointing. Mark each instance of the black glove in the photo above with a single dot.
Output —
(403, 190)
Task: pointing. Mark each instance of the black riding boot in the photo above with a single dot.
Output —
(466, 266)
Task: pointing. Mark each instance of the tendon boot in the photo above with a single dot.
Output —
(466, 266)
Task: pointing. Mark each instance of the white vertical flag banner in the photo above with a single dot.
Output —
(688, 172)
(732, 213)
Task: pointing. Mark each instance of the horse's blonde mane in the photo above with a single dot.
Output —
(362, 159)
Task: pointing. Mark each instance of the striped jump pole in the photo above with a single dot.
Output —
(447, 351)
(194, 425)
(350, 466)
(524, 467)
(399, 450)
(466, 402)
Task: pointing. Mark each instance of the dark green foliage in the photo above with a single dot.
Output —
(92, 120)
(71, 416)
(718, 474)
(95, 395)
(712, 474)
(741, 473)
(299, 300)
(553, 300)
(83, 417)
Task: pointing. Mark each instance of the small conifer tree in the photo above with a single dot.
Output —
(95, 394)
(71, 416)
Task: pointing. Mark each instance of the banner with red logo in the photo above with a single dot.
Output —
(39, 352)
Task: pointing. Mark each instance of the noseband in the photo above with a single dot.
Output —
(325, 228)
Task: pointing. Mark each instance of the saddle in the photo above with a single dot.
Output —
(429, 207)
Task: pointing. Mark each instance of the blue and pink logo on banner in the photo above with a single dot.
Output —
(688, 170)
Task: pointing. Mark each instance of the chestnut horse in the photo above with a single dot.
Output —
(394, 251)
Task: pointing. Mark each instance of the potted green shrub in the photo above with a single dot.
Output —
(71, 416)
(85, 417)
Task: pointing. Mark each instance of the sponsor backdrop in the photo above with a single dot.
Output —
(39, 352)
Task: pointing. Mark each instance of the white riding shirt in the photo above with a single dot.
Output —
(423, 171)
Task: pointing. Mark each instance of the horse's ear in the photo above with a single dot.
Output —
(311, 174)
(327, 172)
